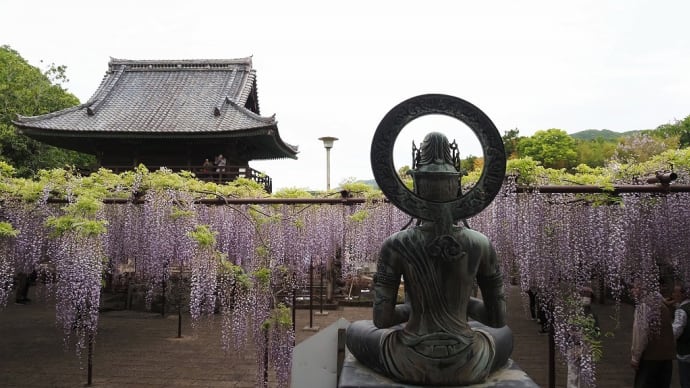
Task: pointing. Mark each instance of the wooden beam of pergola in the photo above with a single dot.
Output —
(545, 189)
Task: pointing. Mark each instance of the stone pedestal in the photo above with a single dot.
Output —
(356, 375)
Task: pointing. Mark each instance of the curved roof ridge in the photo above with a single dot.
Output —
(246, 86)
(28, 119)
(97, 99)
(219, 108)
(181, 63)
(242, 109)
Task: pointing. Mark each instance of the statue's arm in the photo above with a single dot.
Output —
(476, 310)
(386, 284)
(490, 280)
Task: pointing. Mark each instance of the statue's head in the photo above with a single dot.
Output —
(434, 174)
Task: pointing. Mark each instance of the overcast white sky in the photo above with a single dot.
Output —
(330, 68)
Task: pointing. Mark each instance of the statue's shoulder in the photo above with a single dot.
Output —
(415, 230)
(472, 236)
(405, 235)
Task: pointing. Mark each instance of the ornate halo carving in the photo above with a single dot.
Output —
(466, 206)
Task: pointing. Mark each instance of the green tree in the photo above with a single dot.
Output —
(595, 153)
(681, 129)
(405, 177)
(468, 164)
(554, 148)
(28, 91)
(511, 139)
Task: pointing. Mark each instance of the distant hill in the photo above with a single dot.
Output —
(591, 134)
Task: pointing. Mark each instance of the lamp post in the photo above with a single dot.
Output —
(328, 144)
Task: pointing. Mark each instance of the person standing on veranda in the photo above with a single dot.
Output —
(222, 162)
(681, 332)
(653, 347)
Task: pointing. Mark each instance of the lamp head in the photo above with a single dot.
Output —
(328, 141)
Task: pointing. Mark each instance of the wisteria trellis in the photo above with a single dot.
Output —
(559, 242)
(556, 242)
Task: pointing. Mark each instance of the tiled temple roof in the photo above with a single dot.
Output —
(166, 99)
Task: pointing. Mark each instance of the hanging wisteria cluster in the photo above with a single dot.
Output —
(245, 261)
(7, 235)
(366, 227)
(75, 246)
(79, 268)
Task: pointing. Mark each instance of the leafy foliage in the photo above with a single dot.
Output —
(6, 230)
(280, 316)
(263, 277)
(292, 192)
(553, 147)
(590, 334)
(511, 139)
(405, 177)
(79, 217)
(26, 90)
(526, 169)
(679, 129)
(359, 216)
(595, 153)
(203, 236)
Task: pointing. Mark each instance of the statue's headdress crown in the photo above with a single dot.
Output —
(435, 155)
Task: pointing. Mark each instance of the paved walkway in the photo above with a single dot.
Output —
(136, 349)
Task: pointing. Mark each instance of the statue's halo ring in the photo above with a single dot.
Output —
(466, 206)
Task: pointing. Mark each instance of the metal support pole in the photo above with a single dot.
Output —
(552, 357)
(311, 326)
(321, 288)
(321, 312)
(311, 293)
(328, 144)
(340, 358)
(328, 169)
(294, 309)
(265, 382)
(179, 320)
(163, 298)
(89, 372)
